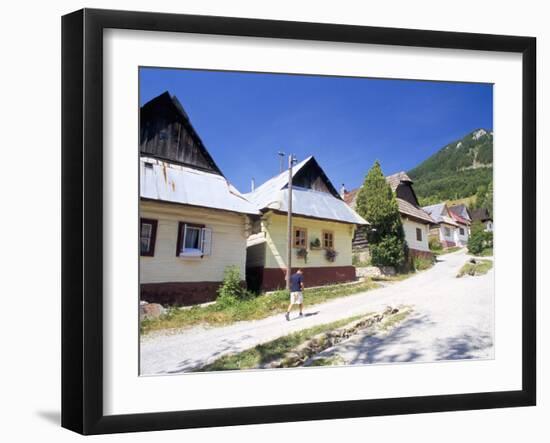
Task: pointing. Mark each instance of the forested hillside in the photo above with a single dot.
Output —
(460, 169)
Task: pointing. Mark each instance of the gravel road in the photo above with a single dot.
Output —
(453, 318)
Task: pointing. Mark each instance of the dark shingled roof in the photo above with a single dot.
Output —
(481, 214)
(395, 179)
(405, 208)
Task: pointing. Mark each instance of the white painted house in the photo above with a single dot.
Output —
(444, 227)
(193, 222)
(461, 215)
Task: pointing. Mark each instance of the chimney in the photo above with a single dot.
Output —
(343, 191)
(252, 185)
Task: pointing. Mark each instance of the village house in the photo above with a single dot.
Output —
(482, 215)
(193, 222)
(444, 227)
(461, 215)
(416, 222)
(322, 230)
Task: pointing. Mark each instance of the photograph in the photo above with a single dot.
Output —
(291, 220)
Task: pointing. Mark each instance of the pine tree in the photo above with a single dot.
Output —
(377, 204)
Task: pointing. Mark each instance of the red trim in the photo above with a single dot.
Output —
(179, 293)
(448, 244)
(269, 279)
(422, 254)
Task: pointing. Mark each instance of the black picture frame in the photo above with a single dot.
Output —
(82, 215)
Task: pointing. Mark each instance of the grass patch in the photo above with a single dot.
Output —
(422, 263)
(487, 252)
(253, 308)
(480, 267)
(394, 319)
(327, 361)
(273, 350)
(448, 250)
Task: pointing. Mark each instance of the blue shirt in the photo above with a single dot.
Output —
(296, 282)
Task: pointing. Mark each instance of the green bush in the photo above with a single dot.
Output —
(388, 252)
(231, 290)
(435, 244)
(421, 263)
(479, 239)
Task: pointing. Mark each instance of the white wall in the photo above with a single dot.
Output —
(228, 244)
(444, 236)
(461, 239)
(29, 377)
(410, 228)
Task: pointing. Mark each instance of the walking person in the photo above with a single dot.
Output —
(296, 294)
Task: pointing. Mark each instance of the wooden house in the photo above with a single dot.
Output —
(482, 215)
(416, 222)
(193, 222)
(322, 233)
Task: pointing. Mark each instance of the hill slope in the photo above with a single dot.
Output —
(456, 170)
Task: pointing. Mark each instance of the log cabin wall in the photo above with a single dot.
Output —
(313, 177)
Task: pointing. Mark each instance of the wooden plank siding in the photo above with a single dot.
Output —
(167, 133)
(228, 244)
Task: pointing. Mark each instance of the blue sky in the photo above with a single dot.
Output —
(244, 119)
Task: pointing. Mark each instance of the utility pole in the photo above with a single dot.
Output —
(291, 160)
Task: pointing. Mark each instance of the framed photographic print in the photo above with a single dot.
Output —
(269, 221)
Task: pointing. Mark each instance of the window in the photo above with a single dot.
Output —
(461, 231)
(418, 234)
(300, 238)
(193, 240)
(328, 239)
(447, 231)
(147, 235)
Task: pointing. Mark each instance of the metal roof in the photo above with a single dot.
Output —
(168, 182)
(273, 194)
(439, 213)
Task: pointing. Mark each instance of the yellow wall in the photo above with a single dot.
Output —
(228, 244)
(275, 228)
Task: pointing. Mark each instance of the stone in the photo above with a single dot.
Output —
(150, 311)
(388, 270)
(368, 271)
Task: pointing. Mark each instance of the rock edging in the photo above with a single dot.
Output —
(318, 343)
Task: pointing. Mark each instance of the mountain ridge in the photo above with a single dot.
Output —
(456, 170)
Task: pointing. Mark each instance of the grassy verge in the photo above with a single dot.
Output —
(267, 352)
(448, 250)
(480, 267)
(487, 252)
(253, 308)
(420, 264)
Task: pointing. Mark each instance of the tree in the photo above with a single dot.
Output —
(481, 196)
(489, 199)
(480, 239)
(377, 204)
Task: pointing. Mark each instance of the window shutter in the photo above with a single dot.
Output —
(206, 237)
